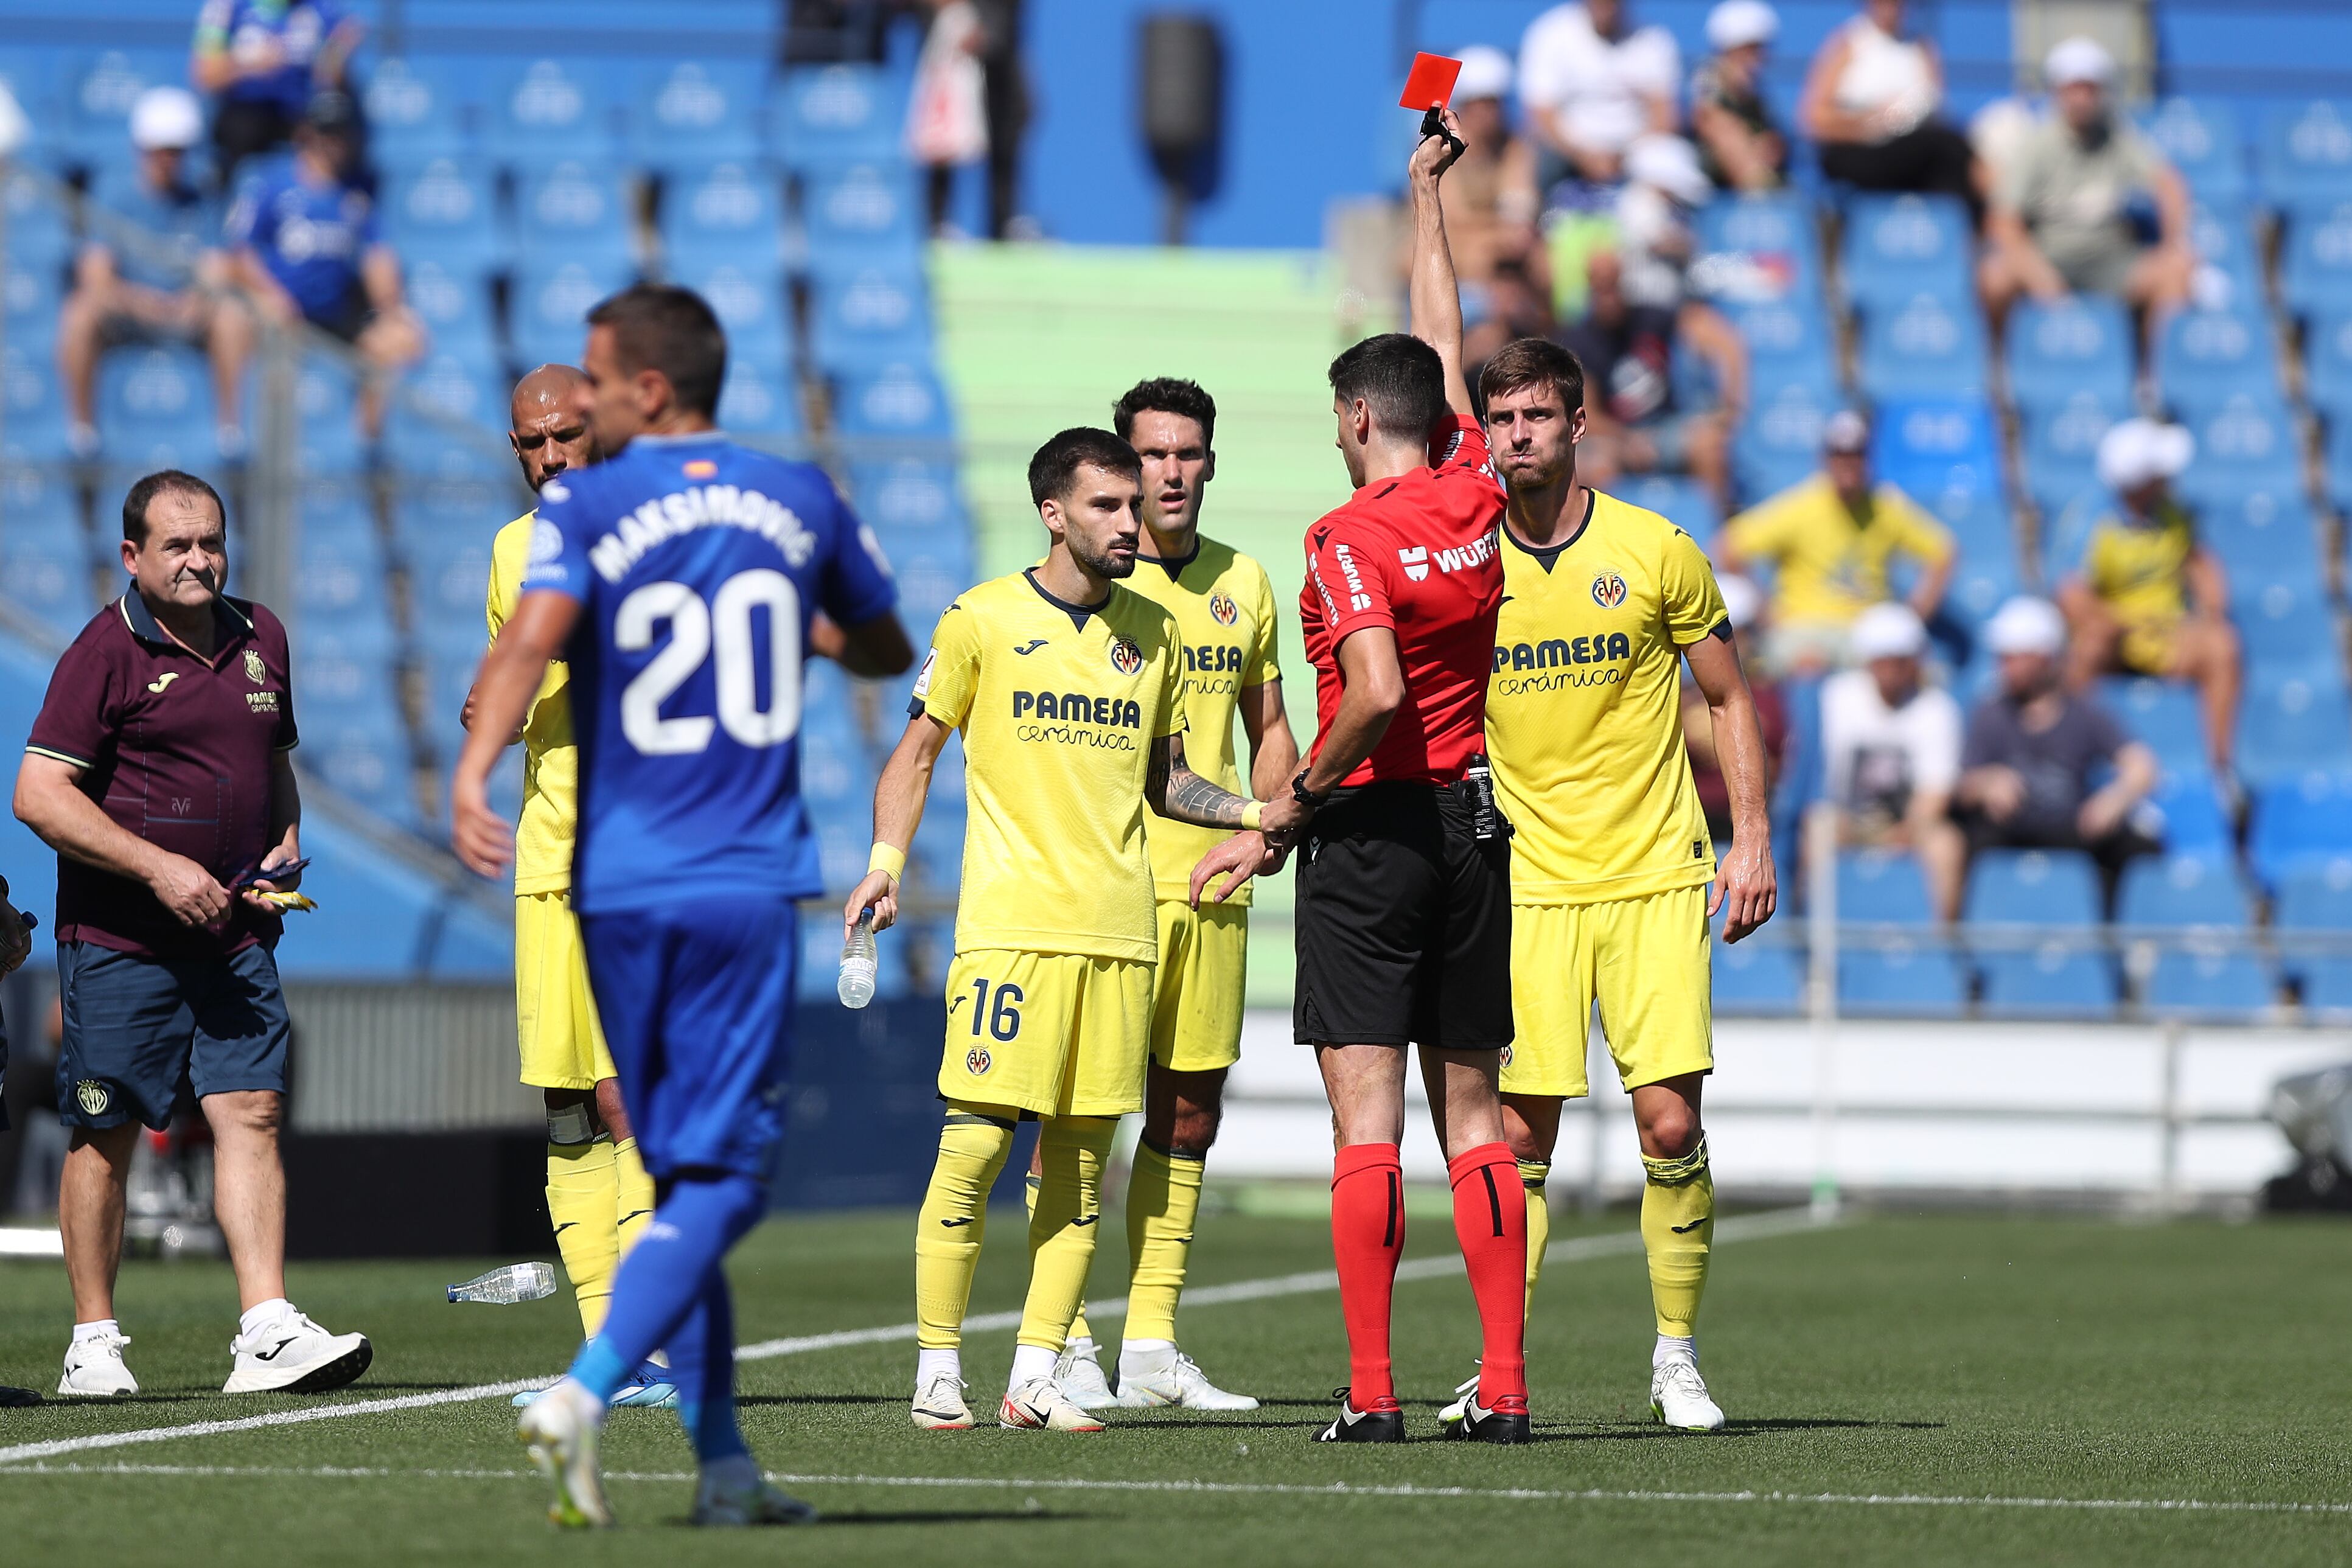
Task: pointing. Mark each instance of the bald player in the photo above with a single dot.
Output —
(598, 1192)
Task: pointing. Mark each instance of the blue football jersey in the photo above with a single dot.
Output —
(697, 564)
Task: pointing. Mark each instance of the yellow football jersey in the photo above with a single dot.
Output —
(1223, 608)
(1058, 706)
(550, 757)
(1583, 711)
(1829, 569)
(2141, 571)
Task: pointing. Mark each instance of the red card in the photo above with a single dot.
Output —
(1431, 85)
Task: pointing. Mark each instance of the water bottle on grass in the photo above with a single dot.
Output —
(856, 987)
(505, 1287)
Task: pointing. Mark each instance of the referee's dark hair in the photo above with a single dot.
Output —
(1524, 363)
(143, 495)
(1166, 394)
(1398, 377)
(660, 327)
(1058, 463)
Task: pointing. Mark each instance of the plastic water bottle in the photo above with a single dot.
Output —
(856, 987)
(505, 1287)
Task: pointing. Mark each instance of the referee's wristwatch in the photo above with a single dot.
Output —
(1305, 797)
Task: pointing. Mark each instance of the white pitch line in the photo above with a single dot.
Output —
(1336, 1489)
(1776, 1222)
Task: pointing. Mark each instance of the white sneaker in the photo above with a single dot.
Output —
(1147, 1378)
(1079, 1371)
(560, 1429)
(94, 1367)
(721, 1505)
(939, 1408)
(1451, 1414)
(295, 1356)
(1678, 1397)
(1040, 1406)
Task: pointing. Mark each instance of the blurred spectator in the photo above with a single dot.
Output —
(2149, 598)
(1831, 542)
(2088, 206)
(260, 61)
(308, 248)
(1891, 751)
(2034, 749)
(1491, 201)
(1663, 187)
(42, 1140)
(1004, 98)
(1515, 303)
(1633, 423)
(1590, 83)
(1743, 606)
(1871, 100)
(148, 273)
(1740, 144)
(947, 115)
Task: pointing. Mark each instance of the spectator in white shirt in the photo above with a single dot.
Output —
(1891, 751)
(1590, 83)
(1871, 101)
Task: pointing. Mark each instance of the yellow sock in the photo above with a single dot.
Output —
(635, 1197)
(582, 1183)
(1163, 1199)
(973, 1146)
(1677, 1228)
(1062, 1232)
(1532, 1173)
(1078, 1329)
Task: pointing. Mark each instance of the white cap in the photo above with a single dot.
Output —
(1846, 430)
(1669, 163)
(1888, 631)
(166, 117)
(1735, 24)
(1486, 72)
(2026, 625)
(2078, 59)
(1741, 600)
(15, 129)
(2134, 451)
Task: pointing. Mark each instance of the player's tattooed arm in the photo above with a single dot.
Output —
(1178, 794)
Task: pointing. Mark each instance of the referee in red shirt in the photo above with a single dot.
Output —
(158, 770)
(1404, 903)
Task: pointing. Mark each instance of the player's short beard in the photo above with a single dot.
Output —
(1103, 565)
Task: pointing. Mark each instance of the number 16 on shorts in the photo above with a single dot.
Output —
(1056, 1034)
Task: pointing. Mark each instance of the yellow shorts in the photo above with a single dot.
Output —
(1196, 1001)
(2148, 647)
(1060, 1034)
(555, 1018)
(1645, 960)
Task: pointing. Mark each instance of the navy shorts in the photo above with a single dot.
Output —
(697, 1003)
(138, 1032)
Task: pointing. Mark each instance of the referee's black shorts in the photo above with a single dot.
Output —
(1404, 923)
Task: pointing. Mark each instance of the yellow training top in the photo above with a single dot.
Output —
(2141, 569)
(1827, 567)
(1583, 711)
(1058, 706)
(551, 757)
(1224, 609)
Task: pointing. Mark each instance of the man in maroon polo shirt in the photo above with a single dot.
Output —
(159, 771)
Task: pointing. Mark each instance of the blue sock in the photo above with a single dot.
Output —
(702, 1363)
(664, 1276)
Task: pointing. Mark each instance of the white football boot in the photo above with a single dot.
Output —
(939, 1404)
(730, 1502)
(1678, 1397)
(1040, 1406)
(561, 1429)
(1152, 1377)
(94, 1368)
(295, 1356)
(1078, 1369)
(1451, 1414)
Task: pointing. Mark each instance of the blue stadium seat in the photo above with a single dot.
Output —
(103, 89)
(2196, 821)
(1903, 978)
(2062, 448)
(547, 308)
(2283, 621)
(1757, 976)
(2222, 235)
(417, 109)
(2337, 465)
(2163, 714)
(50, 574)
(2204, 357)
(2316, 269)
(873, 206)
(2213, 973)
(2202, 139)
(578, 210)
(2208, 978)
(2036, 887)
(2080, 344)
(1685, 503)
(461, 384)
(451, 295)
(1925, 346)
(696, 110)
(362, 751)
(2305, 156)
(1898, 247)
(325, 396)
(1882, 887)
(1932, 447)
(904, 399)
(29, 297)
(748, 301)
(33, 401)
(563, 107)
(2301, 822)
(2177, 890)
(907, 494)
(452, 577)
(723, 212)
(1788, 345)
(1780, 443)
(1758, 247)
(864, 314)
(445, 210)
(832, 114)
(2053, 979)
(760, 401)
(34, 82)
(2245, 442)
(2260, 535)
(39, 230)
(1984, 578)
(2294, 722)
(432, 519)
(2327, 361)
(155, 409)
(2316, 896)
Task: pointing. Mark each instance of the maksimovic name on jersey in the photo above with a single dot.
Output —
(700, 506)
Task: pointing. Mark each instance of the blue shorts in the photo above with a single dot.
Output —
(138, 1031)
(696, 1002)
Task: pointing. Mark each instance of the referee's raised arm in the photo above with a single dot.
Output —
(1436, 296)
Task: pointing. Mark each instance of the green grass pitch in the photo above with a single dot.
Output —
(1921, 1389)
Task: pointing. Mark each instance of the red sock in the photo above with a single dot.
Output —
(1490, 1217)
(1367, 1239)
